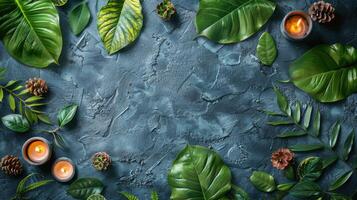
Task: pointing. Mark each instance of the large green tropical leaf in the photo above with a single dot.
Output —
(199, 173)
(327, 72)
(119, 23)
(229, 21)
(30, 31)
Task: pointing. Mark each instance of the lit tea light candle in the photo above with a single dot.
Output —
(36, 151)
(63, 170)
(296, 25)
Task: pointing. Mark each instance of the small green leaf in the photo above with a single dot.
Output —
(306, 147)
(289, 173)
(129, 196)
(305, 189)
(272, 113)
(33, 99)
(79, 18)
(297, 113)
(280, 123)
(292, 134)
(44, 118)
(1, 94)
(263, 181)
(307, 116)
(36, 185)
(266, 49)
(341, 180)
(66, 114)
(84, 187)
(334, 133)
(326, 162)
(59, 2)
(10, 83)
(154, 195)
(21, 186)
(282, 101)
(285, 186)
(316, 124)
(310, 168)
(19, 87)
(16, 123)
(12, 103)
(347, 147)
(96, 197)
(31, 116)
(23, 92)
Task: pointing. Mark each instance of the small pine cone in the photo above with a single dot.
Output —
(166, 10)
(37, 86)
(11, 165)
(322, 12)
(101, 161)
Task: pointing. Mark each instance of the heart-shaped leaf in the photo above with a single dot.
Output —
(16, 123)
(347, 147)
(306, 147)
(334, 133)
(30, 31)
(85, 187)
(199, 173)
(229, 21)
(266, 49)
(310, 168)
(66, 114)
(79, 18)
(341, 180)
(263, 181)
(305, 189)
(326, 72)
(119, 23)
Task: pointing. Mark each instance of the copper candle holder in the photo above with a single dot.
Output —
(296, 25)
(36, 151)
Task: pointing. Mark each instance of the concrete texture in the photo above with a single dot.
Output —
(168, 89)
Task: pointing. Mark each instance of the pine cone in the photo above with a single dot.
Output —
(37, 86)
(322, 12)
(166, 10)
(101, 161)
(11, 165)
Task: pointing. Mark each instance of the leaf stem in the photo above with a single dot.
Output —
(15, 95)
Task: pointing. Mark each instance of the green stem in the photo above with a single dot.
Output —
(15, 95)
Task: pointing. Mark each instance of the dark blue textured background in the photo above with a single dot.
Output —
(168, 89)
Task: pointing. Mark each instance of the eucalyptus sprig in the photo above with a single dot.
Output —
(305, 123)
(23, 187)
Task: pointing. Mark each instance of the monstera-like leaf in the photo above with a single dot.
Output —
(199, 173)
(30, 31)
(119, 23)
(229, 21)
(327, 72)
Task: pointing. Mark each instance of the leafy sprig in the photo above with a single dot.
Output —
(23, 187)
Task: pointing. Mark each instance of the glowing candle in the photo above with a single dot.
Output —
(63, 170)
(36, 151)
(296, 25)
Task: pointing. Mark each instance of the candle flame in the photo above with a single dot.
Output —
(38, 149)
(299, 22)
(63, 170)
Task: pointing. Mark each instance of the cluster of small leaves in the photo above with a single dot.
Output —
(309, 170)
(128, 196)
(23, 187)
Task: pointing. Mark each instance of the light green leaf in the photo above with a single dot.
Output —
(59, 2)
(307, 116)
(280, 123)
(36, 185)
(1, 94)
(316, 124)
(33, 99)
(297, 112)
(310, 168)
(119, 23)
(66, 114)
(229, 21)
(30, 31)
(79, 18)
(44, 118)
(340, 181)
(306, 147)
(12, 103)
(154, 195)
(292, 134)
(326, 72)
(16, 123)
(347, 147)
(263, 181)
(129, 196)
(84, 187)
(285, 186)
(282, 101)
(266, 49)
(11, 83)
(199, 173)
(334, 133)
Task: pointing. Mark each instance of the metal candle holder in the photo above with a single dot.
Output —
(296, 13)
(25, 147)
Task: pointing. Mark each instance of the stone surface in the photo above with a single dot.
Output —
(169, 89)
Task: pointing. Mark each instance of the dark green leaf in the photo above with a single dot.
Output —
(341, 180)
(306, 147)
(289, 173)
(282, 101)
(12, 103)
(316, 124)
(238, 193)
(285, 186)
(307, 116)
(326, 162)
(335, 196)
(59, 140)
(305, 189)
(326, 72)
(292, 134)
(16, 123)
(21, 186)
(280, 123)
(66, 114)
(266, 49)
(84, 187)
(196, 168)
(31, 116)
(310, 168)
(227, 21)
(38, 35)
(297, 112)
(79, 18)
(44, 118)
(2, 72)
(272, 113)
(263, 181)
(36, 185)
(347, 147)
(334, 133)
(96, 197)
(129, 196)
